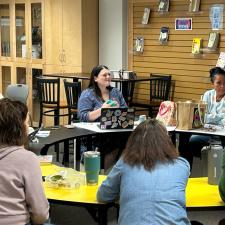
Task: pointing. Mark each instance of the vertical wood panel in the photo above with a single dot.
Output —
(190, 72)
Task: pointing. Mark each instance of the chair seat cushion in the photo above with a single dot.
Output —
(52, 106)
(74, 110)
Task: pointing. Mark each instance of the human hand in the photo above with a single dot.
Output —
(110, 104)
(106, 105)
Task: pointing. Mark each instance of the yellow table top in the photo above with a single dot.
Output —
(48, 168)
(198, 192)
(84, 194)
(201, 194)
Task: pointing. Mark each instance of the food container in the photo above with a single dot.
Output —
(65, 178)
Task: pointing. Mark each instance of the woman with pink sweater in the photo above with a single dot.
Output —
(22, 199)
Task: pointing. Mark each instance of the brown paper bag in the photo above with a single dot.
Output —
(190, 114)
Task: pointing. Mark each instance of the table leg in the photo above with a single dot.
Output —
(102, 215)
(78, 154)
(124, 87)
(66, 153)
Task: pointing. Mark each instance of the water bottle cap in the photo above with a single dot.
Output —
(216, 147)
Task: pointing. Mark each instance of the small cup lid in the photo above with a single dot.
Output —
(92, 154)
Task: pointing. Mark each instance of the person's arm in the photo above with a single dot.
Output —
(216, 118)
(36, 201)
(86, 111)
(213, 116)
(110, 188)
(86, 105)
(222, 180)
(118, 96)
(95, 114)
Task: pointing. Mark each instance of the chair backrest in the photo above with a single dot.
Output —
(73, 90)
(130, 88)
(48, 90)
(17, 92)
(160, 87)
(172, 89)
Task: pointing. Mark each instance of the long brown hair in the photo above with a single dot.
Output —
(148, 144)
(12, 122)
(92, 84)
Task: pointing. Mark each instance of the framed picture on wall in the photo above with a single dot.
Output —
(183, 24)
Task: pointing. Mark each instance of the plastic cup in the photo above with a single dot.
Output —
(92, 166)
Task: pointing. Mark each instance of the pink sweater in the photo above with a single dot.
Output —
(21, 192)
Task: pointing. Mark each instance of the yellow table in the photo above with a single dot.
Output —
(199, 195)
(84, 196)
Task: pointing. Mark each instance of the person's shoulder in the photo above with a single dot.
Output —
(209, 92)
(115, 91)
(27, 154)
(120, 164)
(87, 92)
(182, 162)
(25, 158)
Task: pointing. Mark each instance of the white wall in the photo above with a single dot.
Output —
(113, 33)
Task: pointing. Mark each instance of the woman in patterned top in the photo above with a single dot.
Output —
(95, 97)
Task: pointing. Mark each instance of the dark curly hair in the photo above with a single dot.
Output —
(215, 71)
(12, 122)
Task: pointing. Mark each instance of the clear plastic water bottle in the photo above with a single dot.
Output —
(215, 158)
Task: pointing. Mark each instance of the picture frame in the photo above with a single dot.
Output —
(183, 24)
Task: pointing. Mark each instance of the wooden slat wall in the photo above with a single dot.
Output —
(190, 72)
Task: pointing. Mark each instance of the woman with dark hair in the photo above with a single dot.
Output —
(191, 145)
(95, 97)
(22, 198)
(149, 179)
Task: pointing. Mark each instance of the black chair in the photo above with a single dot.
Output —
(49, 97)
(127, 87)
(159, 91)
(172, 89)
(73, 90)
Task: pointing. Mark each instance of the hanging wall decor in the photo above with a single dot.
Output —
(164, 35)
(216, 16)
(194, 5)
(221, 60)
(145, 17)
(163, 5)
(183, 24)
(196, 46)
(213, 41)
(139, 44)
